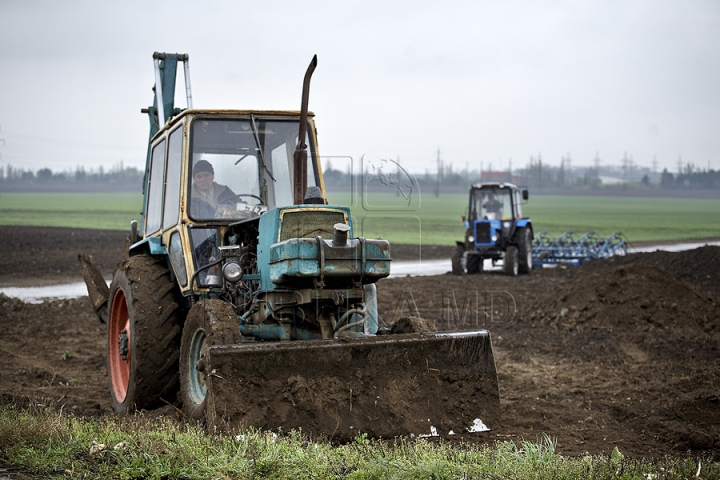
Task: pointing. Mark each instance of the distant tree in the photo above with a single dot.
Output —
(645, 180)
(44, 175)
(667, 179)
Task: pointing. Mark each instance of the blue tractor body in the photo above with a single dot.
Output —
(495, 230)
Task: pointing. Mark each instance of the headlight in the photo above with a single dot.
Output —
(232, 272)
(506, 224)
(494, 238)
(471, 238)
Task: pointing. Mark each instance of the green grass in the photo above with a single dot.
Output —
(424, 219)
(48, 442)
(105, 211)
(436, 220)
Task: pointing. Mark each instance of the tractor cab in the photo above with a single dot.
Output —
(212, 169)
(493, 202)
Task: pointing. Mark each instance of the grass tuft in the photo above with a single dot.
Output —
(48, 442)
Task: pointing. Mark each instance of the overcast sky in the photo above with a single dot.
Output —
(482, 81)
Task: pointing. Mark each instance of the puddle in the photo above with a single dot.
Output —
(398, 269)
(50, 292)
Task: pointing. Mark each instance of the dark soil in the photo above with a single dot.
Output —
(621, 352)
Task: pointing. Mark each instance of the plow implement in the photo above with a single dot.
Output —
(431, 384)
(572, 250)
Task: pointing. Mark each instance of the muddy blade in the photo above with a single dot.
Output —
(98, 290)
(384, 386)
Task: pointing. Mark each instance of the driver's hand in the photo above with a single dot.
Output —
(225, 211)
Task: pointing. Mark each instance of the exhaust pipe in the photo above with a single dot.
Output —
(300, 156)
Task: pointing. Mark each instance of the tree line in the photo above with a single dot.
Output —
(118, 176)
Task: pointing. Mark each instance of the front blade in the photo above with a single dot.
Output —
(384, 386)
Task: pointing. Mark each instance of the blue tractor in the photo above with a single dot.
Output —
(495, 230)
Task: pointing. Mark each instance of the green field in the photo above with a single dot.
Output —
(427, 219)
(105, 211)
(436, 220)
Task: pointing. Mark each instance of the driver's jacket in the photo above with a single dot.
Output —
(203, 206)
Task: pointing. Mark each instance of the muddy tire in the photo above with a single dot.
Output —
(511, 266)
(474, 264)
(524, 236)
(209, 322)
(143, 335)
(457, 260)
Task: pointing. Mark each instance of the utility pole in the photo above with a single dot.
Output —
(439, 172)
(568, 169)
(2, 169)
(397, 175)
(2, 140)
(467, 174)
(625, 166)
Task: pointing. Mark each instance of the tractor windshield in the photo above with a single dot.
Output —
(242, 167)
(491, 204)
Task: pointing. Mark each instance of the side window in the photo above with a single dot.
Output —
(155, 189)
(177, 259)
(172, 179)
(518, 205)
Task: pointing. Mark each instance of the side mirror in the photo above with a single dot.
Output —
(525, 194)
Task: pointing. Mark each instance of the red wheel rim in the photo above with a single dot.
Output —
(119, 327)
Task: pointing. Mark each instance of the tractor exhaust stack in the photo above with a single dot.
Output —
(300, 156)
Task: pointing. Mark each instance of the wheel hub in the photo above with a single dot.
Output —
(198, 362)
(123, 344)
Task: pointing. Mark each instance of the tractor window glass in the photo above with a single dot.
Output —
(205, 252)
(493, 204)
(496, 203)
(172, 180)
(155, 189)
(242, 167)
(177, 259)
(282, 171)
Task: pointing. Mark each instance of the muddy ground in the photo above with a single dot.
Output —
(621, 352)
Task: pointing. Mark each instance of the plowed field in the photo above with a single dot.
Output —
(621, 352)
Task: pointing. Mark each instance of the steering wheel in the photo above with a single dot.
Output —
(237, 197)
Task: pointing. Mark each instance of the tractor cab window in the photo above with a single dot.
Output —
(242, 167)
(491, 204)
(205, 253)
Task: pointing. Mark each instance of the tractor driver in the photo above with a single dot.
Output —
(493, 206)
(206, 194)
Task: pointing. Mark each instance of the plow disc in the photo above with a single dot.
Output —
(431, 384)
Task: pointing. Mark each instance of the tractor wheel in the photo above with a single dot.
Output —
(457, 260)
(524, 249)
(209, 322)
(143, 340)
(474, 264)
(511, 266)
